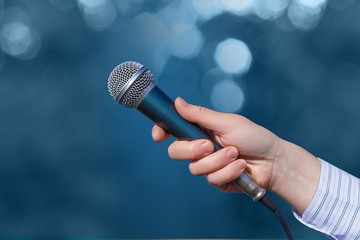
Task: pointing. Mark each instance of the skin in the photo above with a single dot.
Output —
(275, 164)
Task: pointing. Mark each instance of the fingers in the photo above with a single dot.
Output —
(159, 134)
(190, 150)
(221, 167)
(227, 174)
(213, 162)
(204, 117)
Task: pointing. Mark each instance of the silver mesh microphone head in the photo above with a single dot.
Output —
(129, 83)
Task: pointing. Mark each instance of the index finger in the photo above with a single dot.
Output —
(159, 134)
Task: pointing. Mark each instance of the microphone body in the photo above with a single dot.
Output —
(158, 107)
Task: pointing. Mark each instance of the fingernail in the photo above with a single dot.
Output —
(231, 153)
(182, 102)
(206, 147)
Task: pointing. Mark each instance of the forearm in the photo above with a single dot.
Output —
(297, 175)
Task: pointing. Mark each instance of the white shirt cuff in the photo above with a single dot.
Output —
(334, 209)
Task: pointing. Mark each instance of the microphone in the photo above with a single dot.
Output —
(132, 85)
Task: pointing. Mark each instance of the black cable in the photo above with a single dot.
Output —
(283, 223)
(269, 204)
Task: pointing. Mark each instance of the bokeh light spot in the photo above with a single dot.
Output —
(312, 3)
(184, 39)
(188, 12)
(270, 9)
(187, 41)
(227, 96)
(238, 7)
(208, 9)
(305, 14)
(19, 40)
(233, 56)
(98, 14)
(211, 78)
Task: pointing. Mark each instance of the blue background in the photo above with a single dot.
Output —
(73, 164)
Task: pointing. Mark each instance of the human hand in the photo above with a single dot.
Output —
(242, 140)
(275, 164)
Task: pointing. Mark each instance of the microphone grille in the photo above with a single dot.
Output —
(121, 75)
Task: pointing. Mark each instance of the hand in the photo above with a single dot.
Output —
(269, 160)
(242, 139)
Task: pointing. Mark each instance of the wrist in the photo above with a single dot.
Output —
(296, 175)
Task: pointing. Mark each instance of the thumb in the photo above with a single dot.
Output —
(204, 117)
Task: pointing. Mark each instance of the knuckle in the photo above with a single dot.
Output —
(192, 150)
(201, 109)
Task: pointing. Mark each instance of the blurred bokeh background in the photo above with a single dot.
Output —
(73, 164)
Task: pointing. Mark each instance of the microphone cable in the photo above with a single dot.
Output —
(269, 204)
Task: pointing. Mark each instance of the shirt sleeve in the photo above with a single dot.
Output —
(334, 209)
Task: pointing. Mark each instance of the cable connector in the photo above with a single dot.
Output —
(268, 203)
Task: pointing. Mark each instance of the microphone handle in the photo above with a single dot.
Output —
(161, 110)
